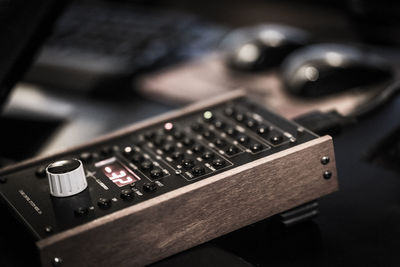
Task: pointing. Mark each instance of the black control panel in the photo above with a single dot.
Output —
(142, 164)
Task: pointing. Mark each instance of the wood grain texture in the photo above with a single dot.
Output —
(162, 226)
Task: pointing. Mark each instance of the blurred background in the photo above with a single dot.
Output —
(107, 64)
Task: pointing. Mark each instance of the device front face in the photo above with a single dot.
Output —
(229, 155)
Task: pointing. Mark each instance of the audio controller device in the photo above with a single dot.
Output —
(167, 184)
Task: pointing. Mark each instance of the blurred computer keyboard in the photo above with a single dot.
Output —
(98, 44)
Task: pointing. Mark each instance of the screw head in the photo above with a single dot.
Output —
(325, 160)
(48, 229)
(327, 175)
(57, 262)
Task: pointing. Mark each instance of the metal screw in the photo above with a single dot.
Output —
(48, 229)
(325, 160)
(57, 261)
(327, 175)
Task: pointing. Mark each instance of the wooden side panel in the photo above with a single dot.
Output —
(191, 215)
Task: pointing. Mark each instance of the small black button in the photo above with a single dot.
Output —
(168, 148)
(229, 111)
(208, 135)
(48, 229)
(146, 165)
(208, 155)
(150, 187)
(159, 141)
(150, 135)
(178, 135)
(276, 139)
(137, 158)
(106, 150)
(156, 173)
(127, 194)
(243, 139)
(240, 117)
(251, 123)
(231, 131)
(197, 127)
(41, 172)
(81, 211)
(256, 147)
(187, 141)
(197, 148)
(177, 155)
(232, 150)
(220, 143)
(187, 163)
(262, 129)
(104, 203)
(198, 170)
(3, 180)
(86, 157)
(219, 124)
(218, 163)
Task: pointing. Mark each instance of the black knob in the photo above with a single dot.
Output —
(231, 131)
(232, 150)
(198, 170)
(177, 155)
(219, 124)
(187, 141)
(178, 135)
(85, 157)
(187, 163)
(262, 129)
(229, 111)
(168, 148)
(208, 135)
(156, 173)
(220, 143)
(240, 117)
(146, 165)
(127, 194)
(197, 127)
(41, 172)
(150, 187)
(208, 155)
(197, 148)
(159, 141)
(150, 135)
(256, 147)
(218, 163)
(81, 211)
(137, 158)
(276, 139)
(104, 203)
(243, 139)
(251, 123)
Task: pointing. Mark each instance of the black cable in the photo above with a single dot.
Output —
(332, 122)
(377, 102)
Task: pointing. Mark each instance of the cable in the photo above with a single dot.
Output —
(377, 102)
(332, 122)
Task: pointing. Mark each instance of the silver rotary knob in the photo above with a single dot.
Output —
(66, 177)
